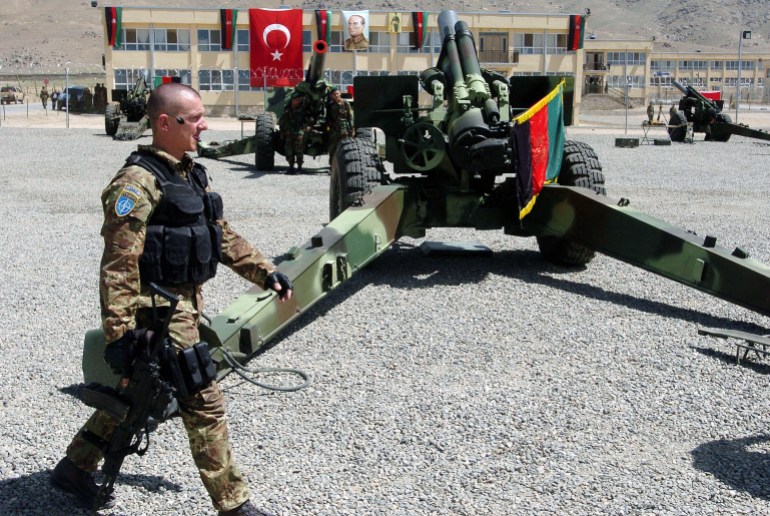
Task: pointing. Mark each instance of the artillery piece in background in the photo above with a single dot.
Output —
(125, 118)
(267, 138)
(467, 162)
(706, 116)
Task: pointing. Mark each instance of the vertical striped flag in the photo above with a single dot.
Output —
(324, 22)
(577, 28)
(538, 136)
(420, 24)
(112, 18)
(227, 21)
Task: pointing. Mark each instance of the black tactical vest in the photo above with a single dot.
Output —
(183, 243)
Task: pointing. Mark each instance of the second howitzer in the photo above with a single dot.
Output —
(706, 116)
(269, 139)
(125, 118)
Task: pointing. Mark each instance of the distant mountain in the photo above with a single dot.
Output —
(47, 33)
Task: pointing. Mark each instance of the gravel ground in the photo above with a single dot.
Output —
(466, 385)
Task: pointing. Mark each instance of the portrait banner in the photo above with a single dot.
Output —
(275, 36)
(395, 21)
(357, 29)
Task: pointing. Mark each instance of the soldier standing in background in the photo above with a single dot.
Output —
(144, 227)
(339, 120)
(44, 96)
(294, 124)
(650, 112)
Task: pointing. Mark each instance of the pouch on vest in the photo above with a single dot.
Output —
(191, 369)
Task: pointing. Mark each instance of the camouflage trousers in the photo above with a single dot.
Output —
(294, 147)
(203, 416)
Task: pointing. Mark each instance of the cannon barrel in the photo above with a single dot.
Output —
(317, 61)
(692, 92)
(459, 61)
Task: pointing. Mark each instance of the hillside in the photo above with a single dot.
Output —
(47, 33)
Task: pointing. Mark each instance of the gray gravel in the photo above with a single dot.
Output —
(467, 385)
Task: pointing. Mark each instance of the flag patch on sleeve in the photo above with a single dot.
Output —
(127, 200)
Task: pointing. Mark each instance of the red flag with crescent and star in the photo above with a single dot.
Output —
(276, 47)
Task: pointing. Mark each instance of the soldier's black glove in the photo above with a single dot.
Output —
(121, 353)
(281, 279)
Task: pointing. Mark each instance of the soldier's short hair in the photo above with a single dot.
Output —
(163, 99)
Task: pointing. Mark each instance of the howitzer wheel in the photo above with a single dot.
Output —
(354, 170)
(679, 132)
(717, 134)
(423, 146)
(111, 119)
(580, 167)
(264, 155)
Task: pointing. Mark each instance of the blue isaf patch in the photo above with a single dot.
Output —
(127, 200)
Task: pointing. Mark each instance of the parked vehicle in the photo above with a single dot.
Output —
(80, 99)
(10, 94)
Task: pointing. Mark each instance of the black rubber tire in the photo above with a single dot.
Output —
(677, 134)
(111, 119)
(580, 167)
(723, 136)
(354, 171)
(264, 154)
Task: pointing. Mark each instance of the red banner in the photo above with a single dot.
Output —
(276, 47)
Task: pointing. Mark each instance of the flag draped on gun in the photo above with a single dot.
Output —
(324, 21)
(577, 28)
(538, 136)
(112, 18)
(227, 20)
(276, 47)
(420, 24)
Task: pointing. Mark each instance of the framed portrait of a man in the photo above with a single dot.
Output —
(357, 27)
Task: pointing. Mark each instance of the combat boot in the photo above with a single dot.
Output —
(299, 168)
(81, 483)
(291, 170)
(246, 509)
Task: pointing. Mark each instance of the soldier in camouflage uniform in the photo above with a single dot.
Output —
(137, 226)
(295, 122)
(339, 120)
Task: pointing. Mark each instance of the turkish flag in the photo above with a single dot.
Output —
(276, 47)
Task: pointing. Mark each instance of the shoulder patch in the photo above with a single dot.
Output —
(127, 200)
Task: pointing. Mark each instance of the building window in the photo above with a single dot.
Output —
(660, 80)
(244, 81)
(125, 78)
(692, 65)
(717, 65)
(337, 43)
(379, 42)
(619, 81)
(242, 40)
(556, 43)
(633, 58)
(209, 40)
(136, 39)
(405, 43)
(528, 43)
(215, 80)
(307, 41)
(171, 40)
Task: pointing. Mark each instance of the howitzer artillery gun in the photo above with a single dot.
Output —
(126, 117)
(268, 139)
(706, 116)
(467, 162)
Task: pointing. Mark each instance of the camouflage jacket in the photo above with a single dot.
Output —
(295, 120)
(134, 193)
(340, 119)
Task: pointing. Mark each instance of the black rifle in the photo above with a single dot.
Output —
(146, 394)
